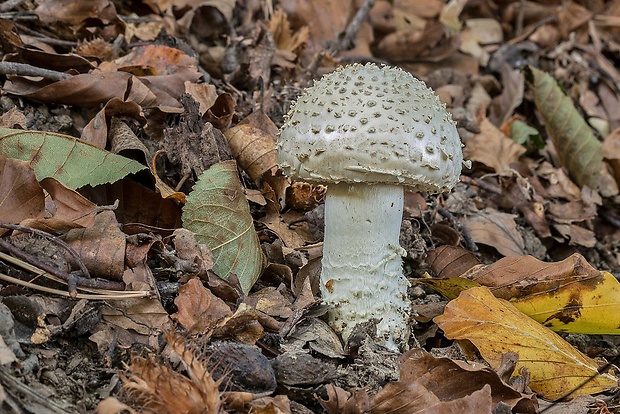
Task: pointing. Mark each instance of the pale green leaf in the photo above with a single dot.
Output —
(218, 213)
(71, 161)
(578, 149)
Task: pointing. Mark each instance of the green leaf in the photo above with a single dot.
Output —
(69, 160)
(523, 134)
(578, 149)
(218, 213)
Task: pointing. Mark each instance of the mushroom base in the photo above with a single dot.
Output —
(362, 276)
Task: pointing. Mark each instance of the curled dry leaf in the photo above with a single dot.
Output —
(254, 149)
(578, 149)
(495, 327)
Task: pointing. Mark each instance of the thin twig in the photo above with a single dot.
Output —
(120, 295)
(53, 239)
(346, 39)
(23, 69)
(10, 382)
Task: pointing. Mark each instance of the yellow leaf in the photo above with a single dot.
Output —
(495, 327)
(590, 306)
(449, 287)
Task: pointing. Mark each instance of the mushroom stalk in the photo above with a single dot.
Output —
(362, 276)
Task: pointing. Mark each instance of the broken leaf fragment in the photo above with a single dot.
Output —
(218, 213)
(495, 327)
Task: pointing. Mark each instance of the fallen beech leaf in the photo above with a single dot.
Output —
(495, 327)
(76, 12)
(21, 196)
(218, 213)
(566, 296)
(71, 161)
(516, 277)
(87, 90)
(101, 246)
(578, 149)
(492, 148)
(69, 205)
(198, 308)
(590, 306)
(495, 229)
(453, 379)
(254, 150)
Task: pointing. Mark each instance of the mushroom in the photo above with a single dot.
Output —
(367, 132)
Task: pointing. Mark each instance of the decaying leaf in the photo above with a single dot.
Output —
(589, 306)
(101, 247)
(493, 148)
(198, 308)
(496, 229)
(218, 213)
(495, 327)
(71, 161)
(579, 150)
(21, 196)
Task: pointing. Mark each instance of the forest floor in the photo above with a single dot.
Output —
(155, 259)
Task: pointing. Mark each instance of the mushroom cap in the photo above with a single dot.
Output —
(374, 124)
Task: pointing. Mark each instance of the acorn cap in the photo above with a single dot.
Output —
(373, 124)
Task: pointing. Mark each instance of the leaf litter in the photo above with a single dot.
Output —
(201, 283)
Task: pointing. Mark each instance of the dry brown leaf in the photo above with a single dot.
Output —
(495, 229)
(453, 379)
(96, 131)
(503, 106)
(254, 150)
(101, 247)
(495, 327)
(289, 235)
(68, 205)
(22, 196)
(288, 44)
(492, 148)
(576, 235)
(198, 309)
(270, 301)
(450, 261)
(76, 12)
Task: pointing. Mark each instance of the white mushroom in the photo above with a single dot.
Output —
(368, 132)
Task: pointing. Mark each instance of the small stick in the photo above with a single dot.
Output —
(345, 39)
(23, 69)
(54, 240)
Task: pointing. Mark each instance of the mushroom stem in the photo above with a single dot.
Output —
(362, 277)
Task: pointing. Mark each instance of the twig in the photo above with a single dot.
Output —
(23, 69)
(119, 295)
(17, 387)
(44, 39)
(345, 39)
(84, 284)
(54, 240)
